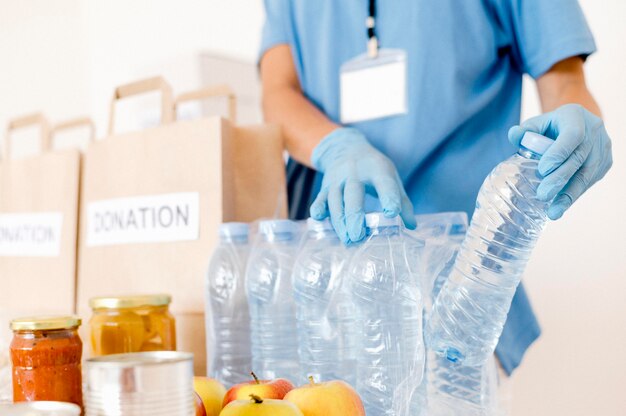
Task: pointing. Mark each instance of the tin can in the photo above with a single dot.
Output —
(155, 383)
(40, 409)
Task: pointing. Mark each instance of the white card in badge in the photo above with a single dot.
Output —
(373, 88)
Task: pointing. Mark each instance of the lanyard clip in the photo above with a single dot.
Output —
(372, 42)
(372, 47)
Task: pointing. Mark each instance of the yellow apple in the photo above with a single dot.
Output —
(332, 398)
(265, 389)
(211, 392)
(257, 406)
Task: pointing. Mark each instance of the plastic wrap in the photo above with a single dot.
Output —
(365, 308)
(384, 284)
(449, 388)
(442, 234)
(325, 310)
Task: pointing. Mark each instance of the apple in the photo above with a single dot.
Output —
(200, 410)
(265, 389)
(211, 393)
(257, 406)
(332, 398)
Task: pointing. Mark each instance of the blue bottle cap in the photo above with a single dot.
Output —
(315, 225)
(536, 142)
(378, 219)
(269, 227)
(234, 229)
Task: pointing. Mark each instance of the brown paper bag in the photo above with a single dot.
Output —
(38, 224)
(152, 202)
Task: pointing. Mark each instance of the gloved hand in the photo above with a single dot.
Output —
(579, 157)
(351, 167)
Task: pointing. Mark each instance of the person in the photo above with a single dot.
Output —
(464, 64)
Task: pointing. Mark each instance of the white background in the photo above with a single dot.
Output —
(66, 56)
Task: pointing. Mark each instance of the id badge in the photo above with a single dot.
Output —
(373, 88)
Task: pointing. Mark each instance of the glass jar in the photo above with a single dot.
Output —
(132, 324)
(46, 357)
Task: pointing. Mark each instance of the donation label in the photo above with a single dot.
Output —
(144, 219)
(31, 234)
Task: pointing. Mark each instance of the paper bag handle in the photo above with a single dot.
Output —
(141, 87)
(75, 123)
(211, 92)
(36, 119)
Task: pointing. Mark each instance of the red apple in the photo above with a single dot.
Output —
(265, 389)
(200, 410)
(333, 398)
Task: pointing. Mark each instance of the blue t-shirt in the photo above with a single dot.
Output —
(466, 59)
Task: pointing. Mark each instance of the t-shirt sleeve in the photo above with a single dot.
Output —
(276, 26)
(545, 32)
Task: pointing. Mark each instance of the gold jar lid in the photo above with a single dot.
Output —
(45, 323)
(122, 302)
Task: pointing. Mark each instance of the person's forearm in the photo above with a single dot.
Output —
(565, 84)
(304, 126)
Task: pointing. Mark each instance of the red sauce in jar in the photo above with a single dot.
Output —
(46, 360)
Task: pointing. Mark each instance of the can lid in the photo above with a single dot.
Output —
(536, 142)
(234, 229)
(132, 301)
(378, 219)
(319, 225)
(42, 323)
(268, 227)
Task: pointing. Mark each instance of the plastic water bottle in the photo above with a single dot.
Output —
(471, 308)
(456, 389)
(442, 234)
(270, 298)
(230, 359)
(386, 292)
(324, 308)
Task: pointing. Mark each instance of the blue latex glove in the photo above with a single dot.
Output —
(580, 156)
(352, 167)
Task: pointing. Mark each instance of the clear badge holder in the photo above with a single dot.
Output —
(374, 87)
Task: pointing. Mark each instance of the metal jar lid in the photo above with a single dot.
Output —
(45, 323)
(132, 301)
(40, 409)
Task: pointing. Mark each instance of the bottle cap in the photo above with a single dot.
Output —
(536, 142)
(315, 225)
(378, 219)
(269, 227)
(234, 229)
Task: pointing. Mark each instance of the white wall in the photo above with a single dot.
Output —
(577, 276)
(43, 63)
(66, 56)
(141, 38)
